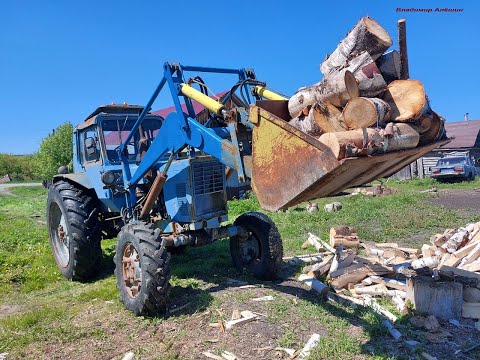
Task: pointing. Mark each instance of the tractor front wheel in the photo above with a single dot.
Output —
(74, 230)
(260, 251)
(142, 269)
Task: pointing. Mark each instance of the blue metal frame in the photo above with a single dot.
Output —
(180, 129)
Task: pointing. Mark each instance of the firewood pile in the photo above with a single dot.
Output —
(441, 279)
(362, 106)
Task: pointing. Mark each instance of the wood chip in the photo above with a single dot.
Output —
(263, 298)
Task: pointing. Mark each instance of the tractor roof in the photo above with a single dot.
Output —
(112, 109)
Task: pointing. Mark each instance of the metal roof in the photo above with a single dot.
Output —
(465, 134)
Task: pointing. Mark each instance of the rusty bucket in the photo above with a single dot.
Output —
(290, 167)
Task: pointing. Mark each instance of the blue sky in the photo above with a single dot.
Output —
(60, 59)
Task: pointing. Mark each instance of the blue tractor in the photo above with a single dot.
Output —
(160, 183)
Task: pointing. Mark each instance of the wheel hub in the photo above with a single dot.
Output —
(132, 272)
(250, 249)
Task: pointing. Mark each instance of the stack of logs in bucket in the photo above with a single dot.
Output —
(365, 103)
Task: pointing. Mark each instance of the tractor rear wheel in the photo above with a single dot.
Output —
(260, 252)
(142, 268)
(74, 230)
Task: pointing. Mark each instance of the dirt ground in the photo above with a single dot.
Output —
(458, 199)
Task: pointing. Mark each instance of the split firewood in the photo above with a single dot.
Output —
(391, 283)
(427, 250)
(389, 65)
(400, 304)
(314, 284)
(311, 343)
(379, 290)
(456, 240)
(387, 245)
(473, 267)
(367, 35)
(471, 256)
(394, 332)
(407, 100)
(344, 235)
(336, 259)
(364, 112)
(347, 261)
(319, 243)
(296, 260)
(347, 270)
(425, 262)
(320, 269)
(247, 316)
(465, 250)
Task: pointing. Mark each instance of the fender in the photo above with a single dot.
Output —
(79, 178)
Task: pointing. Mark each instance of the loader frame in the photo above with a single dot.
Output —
(181, 129)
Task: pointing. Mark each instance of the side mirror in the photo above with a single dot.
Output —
(91, 146)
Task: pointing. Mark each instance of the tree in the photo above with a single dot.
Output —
(55, 150)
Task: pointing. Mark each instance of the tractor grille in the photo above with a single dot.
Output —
(207, 177)
(208, 188)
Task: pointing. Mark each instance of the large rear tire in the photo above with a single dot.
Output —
(74, 230)
(142, 268)
(260, 253)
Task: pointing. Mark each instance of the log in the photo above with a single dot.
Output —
(314, 284)
(391, 283)
(328, 117)
(367, 35)
(425, 262)
(474, 266)
(306, 123)
(360, 142)
(443, 299)
(344, 235)
(404, 137)
(368, 75)
(364, 112)
(433, 131)
(407, 100)
(303, 98)
(389, 66)
(336, 88)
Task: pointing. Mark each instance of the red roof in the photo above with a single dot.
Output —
(466, 134)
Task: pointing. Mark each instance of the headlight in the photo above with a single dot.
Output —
(108, 177)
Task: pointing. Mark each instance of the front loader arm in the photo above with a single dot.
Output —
(172, 138)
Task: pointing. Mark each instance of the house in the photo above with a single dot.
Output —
(465, 142)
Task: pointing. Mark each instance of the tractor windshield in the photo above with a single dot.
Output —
(116, 130)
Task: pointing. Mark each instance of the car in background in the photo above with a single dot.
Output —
(450, 168)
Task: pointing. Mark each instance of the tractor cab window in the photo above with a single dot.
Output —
(90, 148)
(115, 132)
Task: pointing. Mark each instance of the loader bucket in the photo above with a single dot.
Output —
(290, 167)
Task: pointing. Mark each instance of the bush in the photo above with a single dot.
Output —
(55, 150)
(18, 167)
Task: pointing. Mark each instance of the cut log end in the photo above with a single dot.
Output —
(379, 32)
(407, 100)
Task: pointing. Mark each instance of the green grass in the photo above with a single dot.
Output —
(53, 309)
